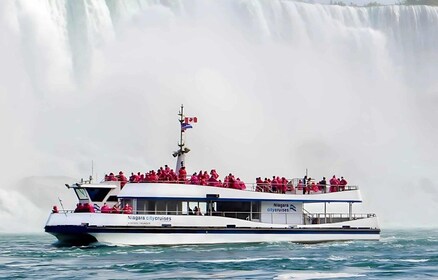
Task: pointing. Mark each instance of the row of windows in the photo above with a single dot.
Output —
(241, 210)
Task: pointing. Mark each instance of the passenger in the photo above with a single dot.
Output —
(231, 181)
(133, 178)
(166, 169)
(225, 184)
(87, 207)
(182, 174)
(197, 211)
(274, 184)
(266, 185)
(214, 174)
(122, 179)
(342, 184)
(154, 177)
(191, 211)
(283, 186)
(127, 209)
(173, 176)
(200, 175)
(259, 184)
(106, 178)
(55, 209)
(309, 185)
(160, 174)
(334, 184)
(194, 179)
(142, 179)
(240, 184)
(79, 208)
(212, 181)
(314, 187)
(111, 177)
(290, 187)
(105, 208)
(115, 209)
(203, 181)
(322, 185)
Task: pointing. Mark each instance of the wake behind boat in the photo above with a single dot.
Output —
(169, 209)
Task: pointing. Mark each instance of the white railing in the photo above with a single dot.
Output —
(268, 217)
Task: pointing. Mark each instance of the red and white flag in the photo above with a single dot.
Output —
(191, 120)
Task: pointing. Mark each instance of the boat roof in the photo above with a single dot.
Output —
(166, 191)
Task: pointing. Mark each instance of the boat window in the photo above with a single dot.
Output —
(174, 207)
(141, 206)
(112, 198)
(211, 205)
(81, 193)
(150, 207)
(161, 207)
(255, 210)
(240, 210)
(98, 194)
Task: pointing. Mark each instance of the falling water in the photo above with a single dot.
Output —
(278, 87)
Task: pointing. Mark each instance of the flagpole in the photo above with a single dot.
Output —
(181, 120)
(180, 154)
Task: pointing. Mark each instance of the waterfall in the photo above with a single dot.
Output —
(278, 86)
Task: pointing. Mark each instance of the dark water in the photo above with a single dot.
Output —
(401, 254)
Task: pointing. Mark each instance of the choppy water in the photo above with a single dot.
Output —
(401, 254)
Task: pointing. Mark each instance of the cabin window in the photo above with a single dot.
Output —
(150, 207)
(112, 198)
(82, 194)
(98, 194)
(141, 206)
(211, 208)
(174, 207)
(255, 209)
(161, 207)
(240, 210)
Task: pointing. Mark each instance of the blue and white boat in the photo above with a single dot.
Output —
(162, 214)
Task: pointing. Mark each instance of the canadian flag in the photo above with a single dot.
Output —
(191, 120)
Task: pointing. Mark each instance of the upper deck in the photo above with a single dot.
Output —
(168, 191)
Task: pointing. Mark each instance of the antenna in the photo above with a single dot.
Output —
(62, 206)
(182, 150)
(92, 171)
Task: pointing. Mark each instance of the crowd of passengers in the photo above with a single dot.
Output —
(274, 185)
(89, 208)
(168, 175)
(307, 185)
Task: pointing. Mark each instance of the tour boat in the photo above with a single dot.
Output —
(161, 213)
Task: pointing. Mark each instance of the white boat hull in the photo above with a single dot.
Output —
(87, 228)
(181, 239)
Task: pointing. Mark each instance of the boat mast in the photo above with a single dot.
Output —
(180, 154)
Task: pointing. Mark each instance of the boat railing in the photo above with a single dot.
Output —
(265, 217)
(291, 188)
(328, 218)
(299, 189)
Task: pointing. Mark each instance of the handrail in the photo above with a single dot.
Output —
(261, 187)
(236, 214)
(263, 217)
